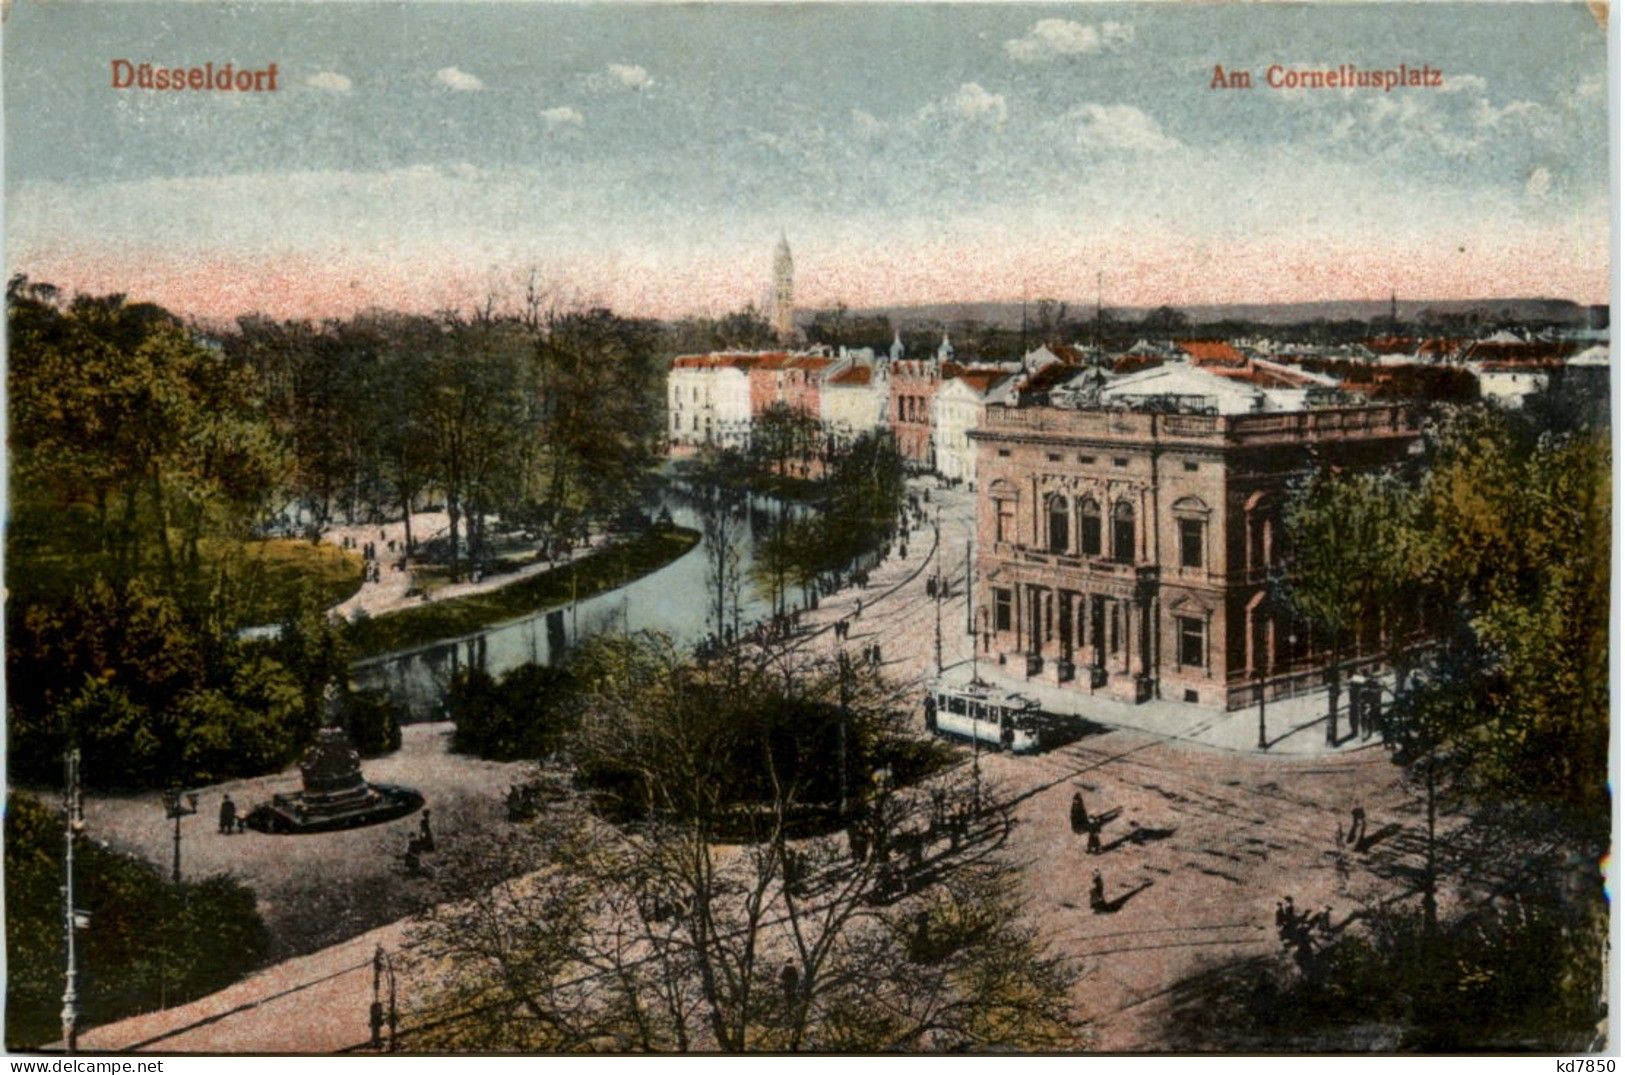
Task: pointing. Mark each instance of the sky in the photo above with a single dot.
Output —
(425, 155)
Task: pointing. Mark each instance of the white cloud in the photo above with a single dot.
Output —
(331, 81)
(453, 78)
(1117, 127)
(970, 101)
(1463, 84)
(1540, 183)
(1050, 38)
(561, 117)
(867, 125)
(630, 75)
(467, 171)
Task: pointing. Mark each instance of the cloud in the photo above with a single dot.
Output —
(1050, 38)
(466, 171)
(331, 81)
(1463, 84)
(1117, 127)
(1540, 182)
(867, 125)
(453, 78)
(630, 75)
(561, 117)
(971, 102)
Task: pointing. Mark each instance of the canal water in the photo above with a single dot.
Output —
(675, 600)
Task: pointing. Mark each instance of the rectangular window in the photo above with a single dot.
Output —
(1120, 461)
(1190, 542)
(1086, 459)
(1053, 457)
(1004, 453)
(1005, 520)
(1190, 466)
(1192, 642)
(1001, 610)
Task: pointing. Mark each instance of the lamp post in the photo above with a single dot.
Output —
(74, 824)
(175, 809)
(1263, 743)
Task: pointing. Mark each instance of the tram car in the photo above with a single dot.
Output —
(998, 719)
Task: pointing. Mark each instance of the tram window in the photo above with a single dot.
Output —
(956, 705)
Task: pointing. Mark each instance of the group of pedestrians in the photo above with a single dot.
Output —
(1084, 825)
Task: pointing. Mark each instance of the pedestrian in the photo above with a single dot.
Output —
(1097, 894)
(1080, 814)
(425, 836)
(414, 865)
(878, 659)
(859, 611)
(790, 981)
(228, 815)
(1093, 847)
(1357, 826)
(242, 824)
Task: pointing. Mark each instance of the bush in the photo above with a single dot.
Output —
(144, 936)
(373, 721)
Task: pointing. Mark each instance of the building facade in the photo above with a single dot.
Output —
(708, 401)
(960, 404)
(1128, 553)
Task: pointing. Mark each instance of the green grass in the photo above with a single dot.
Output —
(271, 573)
(47, 566)
(600, 571)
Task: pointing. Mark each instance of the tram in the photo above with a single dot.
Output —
(1000, 719)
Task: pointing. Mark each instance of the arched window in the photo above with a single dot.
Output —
(1059, 531)
(1089, 527)
(1123, 532)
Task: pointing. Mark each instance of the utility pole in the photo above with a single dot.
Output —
(74, 809)
(936, 589)
(841, 660)
(1263, 743)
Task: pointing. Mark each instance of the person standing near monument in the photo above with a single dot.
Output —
(228, 815)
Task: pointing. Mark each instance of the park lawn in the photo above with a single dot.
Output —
(271, 573)
(595, 573)
(267, 576)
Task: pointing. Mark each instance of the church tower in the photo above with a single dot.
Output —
(784, 308)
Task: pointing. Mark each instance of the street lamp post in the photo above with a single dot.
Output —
(1263, 743)
(174, 809)
(75, 822)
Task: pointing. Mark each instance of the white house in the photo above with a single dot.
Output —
(708, 400)
(959, 407)
(854, 400)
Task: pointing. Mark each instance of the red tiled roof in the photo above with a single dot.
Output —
(810, 362)
(1212, 352)
(1438, 345)
(857, 375)
(1390, 345)
(1135, 363)
(1535, 351)
(982, 380)
(737, 360)
(1049, 377)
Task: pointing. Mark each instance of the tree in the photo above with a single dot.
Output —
(652, 935)
(1348, 538)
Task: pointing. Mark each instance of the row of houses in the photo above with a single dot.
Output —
(931, 405)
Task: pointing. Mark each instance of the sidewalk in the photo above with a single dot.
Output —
(1293, 727)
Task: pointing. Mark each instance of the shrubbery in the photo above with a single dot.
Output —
(143, 937)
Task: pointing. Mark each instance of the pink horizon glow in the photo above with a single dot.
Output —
(1183, 272)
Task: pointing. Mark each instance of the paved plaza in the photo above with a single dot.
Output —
(1204, 833)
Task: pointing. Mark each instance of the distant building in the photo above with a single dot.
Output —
(961, 405)
(1125, 548)
(911, 389)
(784, 292)
(708, 400)
(853, 402)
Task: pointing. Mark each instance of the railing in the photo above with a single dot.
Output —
(1322, 424)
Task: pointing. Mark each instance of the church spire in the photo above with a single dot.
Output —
(784, 323)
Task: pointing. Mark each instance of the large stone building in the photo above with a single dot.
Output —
(1127, 551)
